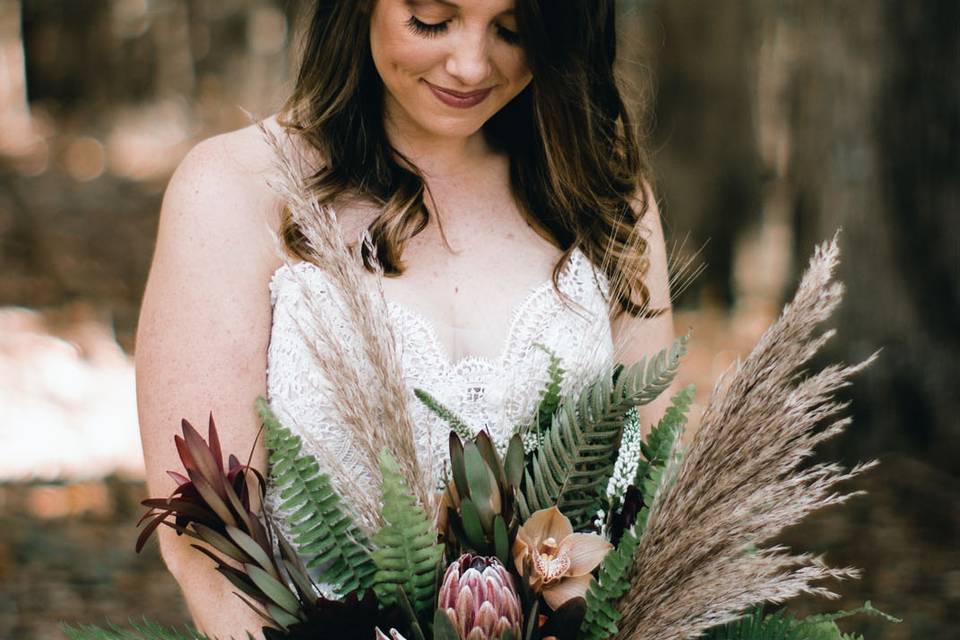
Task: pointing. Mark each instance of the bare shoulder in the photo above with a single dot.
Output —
(229, 168)
(205, 318)
(215, 248)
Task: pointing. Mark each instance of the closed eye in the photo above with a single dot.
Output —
(432, 30)
(425, 28)
(508, 36)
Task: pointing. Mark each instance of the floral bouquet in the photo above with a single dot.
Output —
(576, 528)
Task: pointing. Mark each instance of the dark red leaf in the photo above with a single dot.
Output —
(212, 498)
(145, 516)
(185, 508)
(239, 510)
(214, 441)
(183, 531)
(179, 478)
(259, 534)
(240, 487)
(186, 492)
(203, 460)
(262, 482)
(149, 529)
(184, 453)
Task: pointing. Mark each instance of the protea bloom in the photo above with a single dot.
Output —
(478, 596)
(558, 561)
(480, 497)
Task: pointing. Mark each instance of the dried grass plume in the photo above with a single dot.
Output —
(700, 562)
(369, 385)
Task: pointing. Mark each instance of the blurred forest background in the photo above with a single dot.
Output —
(774, 122)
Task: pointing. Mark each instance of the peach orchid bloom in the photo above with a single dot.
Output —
(558, 560)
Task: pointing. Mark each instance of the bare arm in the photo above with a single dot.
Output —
(201, 347)
(644, 337)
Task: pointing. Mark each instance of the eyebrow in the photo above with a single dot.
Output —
(454, 5)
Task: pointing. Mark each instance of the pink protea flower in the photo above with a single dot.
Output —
(478, 596)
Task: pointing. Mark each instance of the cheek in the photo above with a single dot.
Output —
(396, 50)
(413, 57)
(511, 62)
(515, 70)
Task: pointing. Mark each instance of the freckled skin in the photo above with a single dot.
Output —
(470, 54)
(470, 182)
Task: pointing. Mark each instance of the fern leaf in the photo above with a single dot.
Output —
(572, 467)
(407, 552)
(781, 625)
(550, 395)
(756, 626)
(659, 446)
(322, 530)
(614, 577)
(660, 441)
(531, 434)
(146, 630)
(456, 423)
(600, 621)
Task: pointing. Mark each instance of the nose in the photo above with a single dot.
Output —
(469, 60)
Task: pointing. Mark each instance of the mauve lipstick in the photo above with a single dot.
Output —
(459, 99)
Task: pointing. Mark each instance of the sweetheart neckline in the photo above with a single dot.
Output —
(431, 328)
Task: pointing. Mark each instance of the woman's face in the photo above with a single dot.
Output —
(447, 65)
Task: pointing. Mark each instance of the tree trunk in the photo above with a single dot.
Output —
(876, 104)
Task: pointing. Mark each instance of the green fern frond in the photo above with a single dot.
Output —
(600, 621)
(781, 625)
(661, 439)
(550, 395)
(456, 423)
(657, 448)
(407, 552)
(321, 528)
(531, 434)
(757, 626)
(146, 630)
(576, 459)
(649, 487)
(613, 579)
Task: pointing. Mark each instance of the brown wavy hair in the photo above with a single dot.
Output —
(576, 165)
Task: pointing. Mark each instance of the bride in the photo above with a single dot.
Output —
(485, 147)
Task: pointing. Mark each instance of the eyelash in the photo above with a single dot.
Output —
(428, 30)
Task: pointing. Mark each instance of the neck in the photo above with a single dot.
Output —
(437, 157)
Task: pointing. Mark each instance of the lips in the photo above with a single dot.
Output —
(459, 99)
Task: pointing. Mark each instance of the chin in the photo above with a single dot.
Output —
(423, 110)
(447, 122)
(453, 127)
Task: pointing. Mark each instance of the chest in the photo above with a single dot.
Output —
(469, 280)
(498, 392)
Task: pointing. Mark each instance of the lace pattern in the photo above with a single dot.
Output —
(493, 393)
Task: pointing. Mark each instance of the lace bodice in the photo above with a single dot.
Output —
(492, 393)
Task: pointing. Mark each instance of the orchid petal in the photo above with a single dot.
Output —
(543, 524)
(576, 587)
(586, 552)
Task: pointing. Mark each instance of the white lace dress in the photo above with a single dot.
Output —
(496, 394)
